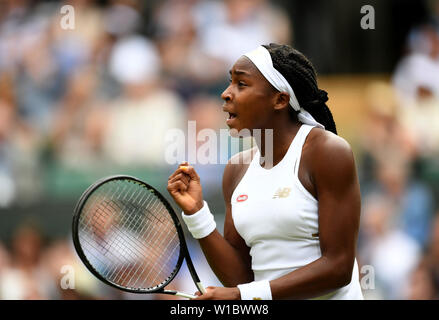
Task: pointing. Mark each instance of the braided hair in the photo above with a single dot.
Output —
(301, 75)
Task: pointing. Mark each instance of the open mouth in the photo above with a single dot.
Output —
(232, 115)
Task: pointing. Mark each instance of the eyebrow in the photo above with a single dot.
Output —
(240, 72)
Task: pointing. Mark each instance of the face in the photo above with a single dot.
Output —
(249, 99)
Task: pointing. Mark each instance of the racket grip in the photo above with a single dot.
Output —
(201, 287)
(185, 295)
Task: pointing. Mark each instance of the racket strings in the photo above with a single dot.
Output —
(121, 273)
(128, 236)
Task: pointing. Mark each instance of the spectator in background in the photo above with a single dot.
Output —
(417, 82)
(389, 152)
(73, 135)
(14, 16)
(413, 200)
(26, 278)
(391, 252)
(4, 259)
(424, 281)
(417, 75)
(382, 134)
(77, 127)
(122, 17)
(421, 284)
(433, 255)
(38, 78)
(135, 124)
(7, 168)
(178, 39)
(192, 36)
(59, 259)
(398, 208)
(75, 47)
(241, 25)
(421, 122)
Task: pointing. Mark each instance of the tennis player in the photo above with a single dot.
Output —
(291, 226)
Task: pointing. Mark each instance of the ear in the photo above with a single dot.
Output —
(282, 100)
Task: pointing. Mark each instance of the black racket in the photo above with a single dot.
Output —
(127, 234)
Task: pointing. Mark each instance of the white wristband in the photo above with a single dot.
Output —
(201, 223)
(256, 290)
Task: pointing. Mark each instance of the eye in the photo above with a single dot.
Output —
(242, 84)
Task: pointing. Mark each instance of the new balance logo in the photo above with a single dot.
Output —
(282, 193)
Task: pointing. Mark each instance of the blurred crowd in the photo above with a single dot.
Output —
(108, 91)
(399, 234)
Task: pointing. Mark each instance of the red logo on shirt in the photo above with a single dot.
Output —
(242, 198)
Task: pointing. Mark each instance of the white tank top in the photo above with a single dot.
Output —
(278, 219)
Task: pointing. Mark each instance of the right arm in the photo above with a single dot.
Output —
(228, 256)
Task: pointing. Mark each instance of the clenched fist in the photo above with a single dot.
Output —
(185, 187)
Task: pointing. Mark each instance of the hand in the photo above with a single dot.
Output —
(185, 187)
(219, 293)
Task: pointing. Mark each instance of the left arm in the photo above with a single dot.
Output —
(332, 170)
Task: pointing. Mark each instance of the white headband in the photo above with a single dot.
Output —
(262, 60)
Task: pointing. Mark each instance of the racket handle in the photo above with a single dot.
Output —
(185, 295)
(201, 287)
(191, 296)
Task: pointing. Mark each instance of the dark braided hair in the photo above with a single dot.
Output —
(301, 75)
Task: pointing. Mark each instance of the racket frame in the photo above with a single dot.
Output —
(184, 252)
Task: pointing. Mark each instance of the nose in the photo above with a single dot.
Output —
(226, 95)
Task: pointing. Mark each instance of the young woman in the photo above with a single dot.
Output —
(291, 224)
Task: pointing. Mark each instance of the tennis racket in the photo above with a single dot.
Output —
(127, 234)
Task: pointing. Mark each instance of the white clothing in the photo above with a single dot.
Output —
(278, 219)
(414, 71)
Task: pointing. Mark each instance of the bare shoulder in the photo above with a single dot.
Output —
(328, 155)
(326, 146)
(235, 170)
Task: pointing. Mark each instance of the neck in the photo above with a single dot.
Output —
(273, 144)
